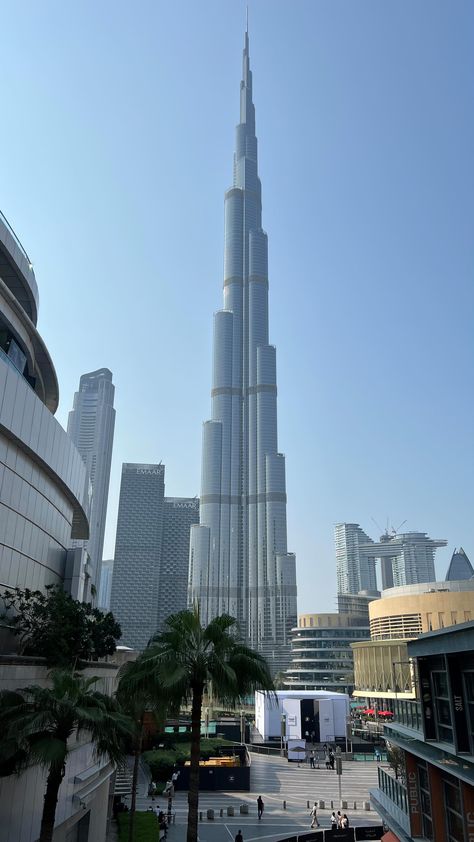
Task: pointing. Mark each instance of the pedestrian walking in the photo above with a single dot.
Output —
(311, 760)
(162, 823)
(260, 806)
(331, 759)
(314, 815)
(344, 821)
(239, 837)
(377, 755)
(333, 821)
(338, 819)
(327, 760)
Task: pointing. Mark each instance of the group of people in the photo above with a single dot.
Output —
(162, 819)
(337, 820)
(329, 758)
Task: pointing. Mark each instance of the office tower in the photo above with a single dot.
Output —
(459, 567)
(150, 573)
(356, 604)
(137, 555)
(91, 427)
(180, 513)
(355, 562)
(412, 555)
(105, 587)
(239, 563)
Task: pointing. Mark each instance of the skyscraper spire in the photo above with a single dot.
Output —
(239, 562)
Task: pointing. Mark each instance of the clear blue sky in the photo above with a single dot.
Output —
(117, 139)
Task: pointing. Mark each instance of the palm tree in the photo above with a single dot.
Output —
(138, 692)
(37, 723)
(187, 658)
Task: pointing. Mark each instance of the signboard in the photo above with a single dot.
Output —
(460, 713)
(414, 805)
(296, 750)
(372, 831)
(341, 834)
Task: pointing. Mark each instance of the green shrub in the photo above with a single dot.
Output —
(145, 827)
(161, 761)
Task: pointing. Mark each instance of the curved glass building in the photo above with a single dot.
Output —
(44, 505)
(44, 487)
(239, 563)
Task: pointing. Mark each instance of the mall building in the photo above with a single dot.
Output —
(433, 796)
(321, 654)
(383, 671)
(44, 504)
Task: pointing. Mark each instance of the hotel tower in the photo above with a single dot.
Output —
(239, 563)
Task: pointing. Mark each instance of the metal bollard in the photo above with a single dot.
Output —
(210, 815)
(200, 815)
(284, 805)
(321, 804)
(366, 805)
(307, 805)
(332, 805)
(355, 805)
(221, 812)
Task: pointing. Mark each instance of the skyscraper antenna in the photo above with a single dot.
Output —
(247, 19)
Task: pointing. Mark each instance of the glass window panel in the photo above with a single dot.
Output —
(445, 734)
(455, 827)
(427, 828)
(444, 712)
(453, 796)
(440, 680)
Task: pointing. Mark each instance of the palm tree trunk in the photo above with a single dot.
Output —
(193, 795)
(136, 761)
(55, 777)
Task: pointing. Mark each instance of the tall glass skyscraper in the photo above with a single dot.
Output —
(149, 580)
(239, 563)
(91, 426)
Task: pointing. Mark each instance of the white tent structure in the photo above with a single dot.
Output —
(304, 714)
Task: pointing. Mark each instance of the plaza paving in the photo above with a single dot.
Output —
(275, 780)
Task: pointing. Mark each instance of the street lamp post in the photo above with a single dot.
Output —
(282, 734)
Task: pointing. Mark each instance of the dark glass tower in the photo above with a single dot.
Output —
(239, 563)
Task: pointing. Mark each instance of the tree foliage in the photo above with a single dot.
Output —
(37, 723)
(187, 659)
(61, 629)
(396, 759)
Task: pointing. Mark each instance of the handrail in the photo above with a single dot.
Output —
(16, 238)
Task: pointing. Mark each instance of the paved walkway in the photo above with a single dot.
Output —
(276, 780)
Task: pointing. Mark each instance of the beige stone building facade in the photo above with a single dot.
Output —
(408, 611)
(382, 668)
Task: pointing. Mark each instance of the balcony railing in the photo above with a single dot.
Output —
(407, 713)
(391, 800)
(394, 790)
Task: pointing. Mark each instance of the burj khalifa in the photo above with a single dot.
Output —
(239, 563)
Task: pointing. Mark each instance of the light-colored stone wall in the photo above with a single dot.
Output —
(382, 670)
(86, 784)
(410, 615)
